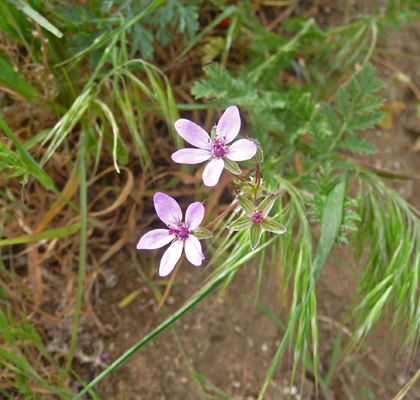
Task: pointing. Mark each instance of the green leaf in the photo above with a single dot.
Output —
(267, 204)
(364, 121)
(342, 100)
(255, 235)
(358, 145)
(332, 119)
(232, 166)
(273, 226)
(227, 11)
(246, 205)
(14, 80)
(31, 13)
(370, 104)
(330, 225)
(241, 224)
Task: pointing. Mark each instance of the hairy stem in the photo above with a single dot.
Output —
(230, 208)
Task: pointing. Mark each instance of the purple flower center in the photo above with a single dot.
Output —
(218, 148)
(181, 231)
(257, 217)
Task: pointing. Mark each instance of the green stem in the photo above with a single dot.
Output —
(82, 250)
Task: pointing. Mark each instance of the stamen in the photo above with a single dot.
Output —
(181, 232)
(257, 217)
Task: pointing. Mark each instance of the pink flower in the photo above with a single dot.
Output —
(214, 148)
(179, 233)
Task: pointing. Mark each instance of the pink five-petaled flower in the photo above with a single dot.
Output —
(179, 233)
(214, 148)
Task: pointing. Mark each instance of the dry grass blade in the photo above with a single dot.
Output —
(121, 198)
(407, 387)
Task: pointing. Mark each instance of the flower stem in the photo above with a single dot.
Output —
(239, 177)
(257, 182)
(230, 208)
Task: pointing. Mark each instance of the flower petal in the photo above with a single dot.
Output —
(194, 215)
(229, 124)
(190, 156)
(170, 257)
(193, 134)
(242, 150)
(155, 239)
(193, 251)
(167, 209)
(212, 172)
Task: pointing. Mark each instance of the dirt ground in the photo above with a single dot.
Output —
(230, 342)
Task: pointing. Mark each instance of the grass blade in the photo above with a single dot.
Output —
(37, 17)
(46, 235)
(15, 81)
(33, 167)
(330, 226)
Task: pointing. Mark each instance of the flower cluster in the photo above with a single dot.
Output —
(218, 149)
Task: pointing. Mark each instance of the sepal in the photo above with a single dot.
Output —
(232, 166)
(255, 235)
(201, 233)
(246, 205)
(241, 224)
(270, 225)
(267, 204)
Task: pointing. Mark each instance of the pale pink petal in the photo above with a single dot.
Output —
(194, 215)
(193, 251)
(170, 257)
(190, 156)
(155, 239)
(241, 150)
(229, 125)
(212, 172)
(193, 134)
(167, 209)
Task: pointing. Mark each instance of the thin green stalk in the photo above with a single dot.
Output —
(372, 46)
(82, 249)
